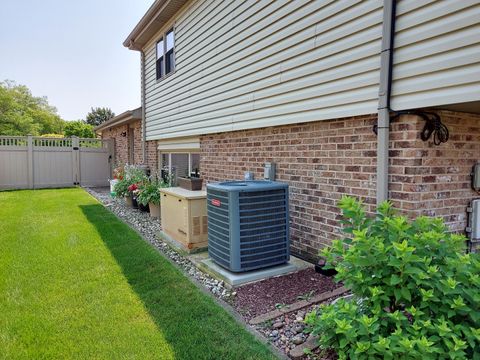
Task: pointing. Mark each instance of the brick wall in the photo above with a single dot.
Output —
(121, 142)
(321, 161)
(324, 160)
(435, 180)
(121, 145)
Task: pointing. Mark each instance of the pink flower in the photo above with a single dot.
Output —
(133, 187)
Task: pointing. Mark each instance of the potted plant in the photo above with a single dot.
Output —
(128, 185)
(192, 182)
(121, 188)
(149, 195)
(131, 199)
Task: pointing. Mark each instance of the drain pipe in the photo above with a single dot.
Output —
(144, 134)
(383, 122)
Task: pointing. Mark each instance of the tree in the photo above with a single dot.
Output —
(21, 113)
(98, 115)
(79, 128)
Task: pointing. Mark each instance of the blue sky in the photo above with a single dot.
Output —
(72, 52)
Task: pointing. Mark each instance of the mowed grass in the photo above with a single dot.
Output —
(77, 283)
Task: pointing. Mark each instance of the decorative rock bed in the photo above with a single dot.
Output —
(283, 301)
(149, 228)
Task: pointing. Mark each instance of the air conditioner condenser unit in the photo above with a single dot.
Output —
(248, 224)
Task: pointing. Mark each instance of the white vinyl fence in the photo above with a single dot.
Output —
(28, 162)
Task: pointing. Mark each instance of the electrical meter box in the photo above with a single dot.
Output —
(184, 217)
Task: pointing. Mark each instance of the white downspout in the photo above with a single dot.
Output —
(383, 123)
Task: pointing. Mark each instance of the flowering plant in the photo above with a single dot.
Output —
(132, 187)
(130, 179)
(119, 172)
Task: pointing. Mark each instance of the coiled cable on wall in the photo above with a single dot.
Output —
(433, 126)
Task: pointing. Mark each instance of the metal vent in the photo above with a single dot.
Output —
(248, 224)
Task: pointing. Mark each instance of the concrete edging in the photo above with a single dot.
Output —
(297, 306)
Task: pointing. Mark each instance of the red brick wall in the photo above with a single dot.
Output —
(435, 180)
(121, 142)
(152, 156)
(321, 161)
(121, 145)
(327, 159)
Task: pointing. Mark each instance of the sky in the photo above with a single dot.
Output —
(71, 51)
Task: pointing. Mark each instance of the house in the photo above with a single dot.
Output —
(336, 93)
(126, 131)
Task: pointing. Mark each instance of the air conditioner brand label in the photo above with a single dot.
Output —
(216, 202)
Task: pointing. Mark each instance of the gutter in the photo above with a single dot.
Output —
(385, 86)
(144, 135)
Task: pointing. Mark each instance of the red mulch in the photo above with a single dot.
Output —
(261, 297)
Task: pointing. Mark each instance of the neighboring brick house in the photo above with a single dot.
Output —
(126, 131)
(228, 86)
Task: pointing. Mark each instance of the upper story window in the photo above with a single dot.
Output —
(166, 54)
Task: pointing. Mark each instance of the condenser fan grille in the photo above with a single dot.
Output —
(248, 224)
(263, 224)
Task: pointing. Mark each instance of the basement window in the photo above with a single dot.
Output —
(179, 164)
(166, 55)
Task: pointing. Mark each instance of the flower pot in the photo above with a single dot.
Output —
(143, 208)
(134, 202)
(154, 210)
(190, 183)
(129, 201)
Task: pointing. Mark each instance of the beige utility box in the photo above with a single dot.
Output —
(184, 217)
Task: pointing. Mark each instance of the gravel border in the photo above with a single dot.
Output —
(149, 229)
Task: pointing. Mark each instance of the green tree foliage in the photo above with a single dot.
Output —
(99, 115)
(79, 128)
(21, 113)
(416, 292)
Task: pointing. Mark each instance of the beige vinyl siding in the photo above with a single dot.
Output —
(248, 64)
(437, 53)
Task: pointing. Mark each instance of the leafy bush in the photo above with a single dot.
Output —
(416, 291)
(150, 192)
(121, 187)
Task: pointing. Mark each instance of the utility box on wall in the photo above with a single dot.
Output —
(184, 217)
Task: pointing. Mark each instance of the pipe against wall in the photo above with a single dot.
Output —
(383, 122)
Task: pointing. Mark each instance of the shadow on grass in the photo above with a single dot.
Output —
(193, 324)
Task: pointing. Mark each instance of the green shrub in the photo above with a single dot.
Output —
(149, 192)
(121, 187)
(416, 291)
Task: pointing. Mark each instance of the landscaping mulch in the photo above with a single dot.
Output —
(260, 297)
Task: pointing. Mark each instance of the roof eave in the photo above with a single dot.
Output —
(124, 118)
(156, 16)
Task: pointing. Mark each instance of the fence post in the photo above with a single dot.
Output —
(76, 160)
(30, 161)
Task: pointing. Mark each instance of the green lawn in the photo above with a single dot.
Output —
(75, 282)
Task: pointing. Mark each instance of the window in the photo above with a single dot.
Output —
(166, 54)
(175, 165)
(160, 61)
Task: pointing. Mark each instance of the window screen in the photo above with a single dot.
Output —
(160, 59)
(169, 52)
(179, 165)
